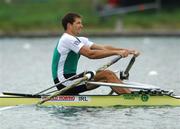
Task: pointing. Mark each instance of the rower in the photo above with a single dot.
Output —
(70, 47)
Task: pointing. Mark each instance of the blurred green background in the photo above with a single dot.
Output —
(45, 15)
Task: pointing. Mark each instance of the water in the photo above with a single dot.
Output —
(25, 67)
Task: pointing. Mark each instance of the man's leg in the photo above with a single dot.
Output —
(110, 77)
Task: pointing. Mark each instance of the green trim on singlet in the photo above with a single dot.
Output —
(55, 61)
(71, 62)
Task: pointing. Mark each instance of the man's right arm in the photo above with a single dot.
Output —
(101, 53)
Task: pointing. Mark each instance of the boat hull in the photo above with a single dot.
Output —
(95, 100)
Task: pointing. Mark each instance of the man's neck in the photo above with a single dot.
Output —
(70, 33)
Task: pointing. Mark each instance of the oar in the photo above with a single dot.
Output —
(109, 64)
(73, 77)
(85, 78)
(124, 85)
(130, 64)
(125, 75)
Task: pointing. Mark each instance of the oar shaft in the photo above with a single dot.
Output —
(130, 65)
(125, 74)
(63, 90)
(109, 63)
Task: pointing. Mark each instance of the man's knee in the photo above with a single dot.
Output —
(105, 75)
(108, 72)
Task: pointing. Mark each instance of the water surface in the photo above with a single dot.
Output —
(25, 66)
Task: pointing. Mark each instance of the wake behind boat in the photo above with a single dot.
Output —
(144, 95)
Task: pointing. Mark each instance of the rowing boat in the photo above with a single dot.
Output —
(143, 95)
(131, 99)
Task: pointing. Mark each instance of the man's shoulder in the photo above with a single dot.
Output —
(69, 42)
(83, 38)
(67, 37)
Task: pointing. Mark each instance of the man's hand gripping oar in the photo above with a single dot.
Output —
(85, 78)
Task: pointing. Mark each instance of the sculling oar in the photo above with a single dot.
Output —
(71, 78)
(85, 78)
(125, 74)
(109, 64)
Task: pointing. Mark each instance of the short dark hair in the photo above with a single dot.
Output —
(69, 18)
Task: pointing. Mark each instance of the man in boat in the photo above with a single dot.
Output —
(70, 47)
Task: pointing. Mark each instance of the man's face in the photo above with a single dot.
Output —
(77, 26)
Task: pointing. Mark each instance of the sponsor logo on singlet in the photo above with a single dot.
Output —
(76, 43)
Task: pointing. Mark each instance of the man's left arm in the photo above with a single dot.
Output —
(97, 47)
(107, 47)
